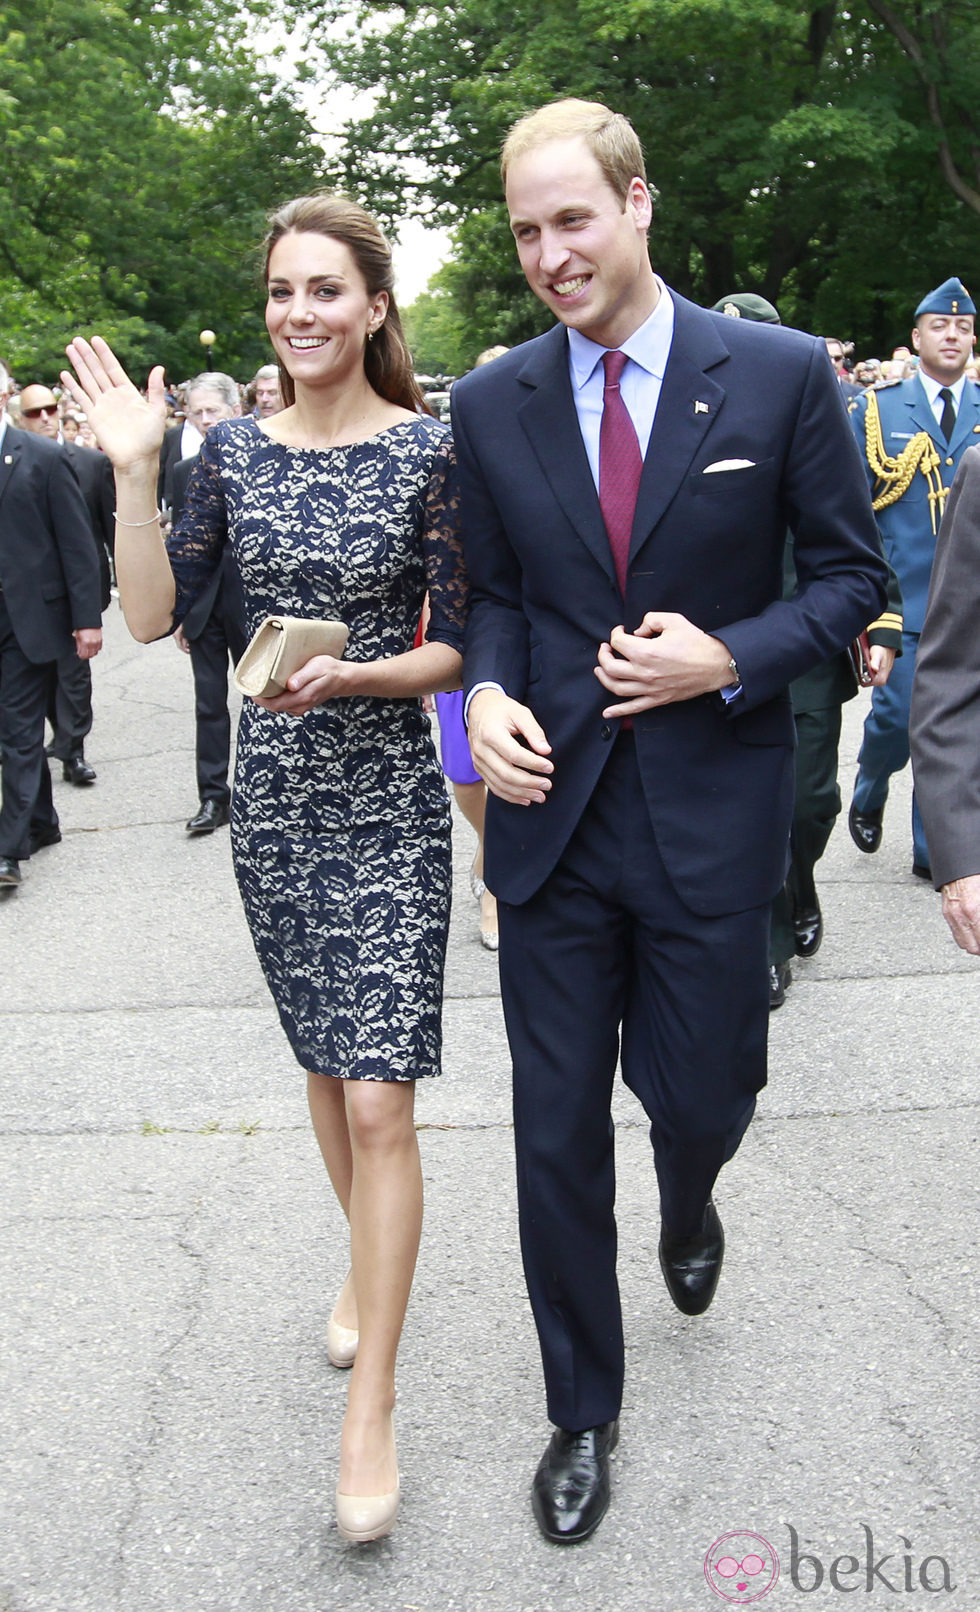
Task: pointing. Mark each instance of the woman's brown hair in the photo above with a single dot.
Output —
(387, 360)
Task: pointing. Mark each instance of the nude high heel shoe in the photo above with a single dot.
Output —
(341, 1344)
(361, 1518)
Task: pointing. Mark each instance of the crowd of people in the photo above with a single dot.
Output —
(643, 536)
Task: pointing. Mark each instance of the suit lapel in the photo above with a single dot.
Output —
(923, 418)
(690, 401)
(9, 454)
(549, 419)
(967, 427)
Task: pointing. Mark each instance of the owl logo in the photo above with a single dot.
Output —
(741, 1567)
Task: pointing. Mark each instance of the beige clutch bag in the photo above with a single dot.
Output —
(281, 645)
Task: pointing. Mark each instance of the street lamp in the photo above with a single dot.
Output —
(207, 338)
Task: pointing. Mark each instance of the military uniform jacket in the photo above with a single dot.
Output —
(908, 527)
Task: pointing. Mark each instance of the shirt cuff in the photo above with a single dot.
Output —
(475, 690)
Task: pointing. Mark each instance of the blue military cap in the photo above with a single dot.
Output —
(949, 298)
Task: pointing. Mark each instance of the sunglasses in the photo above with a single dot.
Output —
(35, 414)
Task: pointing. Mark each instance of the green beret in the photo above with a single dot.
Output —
(746, 305)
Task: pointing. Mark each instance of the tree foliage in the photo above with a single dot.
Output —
(142, 147)
(792, 144)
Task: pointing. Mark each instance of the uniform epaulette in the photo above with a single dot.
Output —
(893, 475)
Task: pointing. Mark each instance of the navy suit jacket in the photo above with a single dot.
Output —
(49, 569)
(718, 780)
(94, 472)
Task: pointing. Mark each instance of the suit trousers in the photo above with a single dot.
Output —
(607, 946)
(885, 748)
(70, 705)
(24, 776)
(220, 638)
(815, 810)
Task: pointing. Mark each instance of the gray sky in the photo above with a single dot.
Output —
(418, 250)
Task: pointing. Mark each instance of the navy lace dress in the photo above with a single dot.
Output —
(340, 818)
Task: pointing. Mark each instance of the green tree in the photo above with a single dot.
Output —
(142, 146)
(788, 142)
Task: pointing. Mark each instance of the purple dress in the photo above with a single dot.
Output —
(457, 763)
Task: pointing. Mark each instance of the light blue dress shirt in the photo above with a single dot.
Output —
(648, 350)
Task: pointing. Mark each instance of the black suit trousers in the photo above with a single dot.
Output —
(70, 705)
(223, 635)
(605, 949)
(815, 811)
(24, 778)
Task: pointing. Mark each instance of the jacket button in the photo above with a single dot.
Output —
(949, 461)
(606, 731)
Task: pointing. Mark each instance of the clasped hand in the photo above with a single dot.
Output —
(321, 679)
(666, 659)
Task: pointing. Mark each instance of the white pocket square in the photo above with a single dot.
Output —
(728, 464)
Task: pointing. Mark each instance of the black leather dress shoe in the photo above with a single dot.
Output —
(922, 870)
(76, 770)
(570, 1495)
(780, 980)
(44, 836)
(9, 871)
(808, 930)
(692, 1265)
(211, 814)
(865, 827)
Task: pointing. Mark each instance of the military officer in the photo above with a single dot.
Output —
(913, 434)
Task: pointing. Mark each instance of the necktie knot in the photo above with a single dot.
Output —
(614, 362)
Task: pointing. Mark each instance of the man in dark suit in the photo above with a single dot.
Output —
(627, 481)
(70, 691)
(945, 714)
(212, 631)
(49, 595)
(209, 396)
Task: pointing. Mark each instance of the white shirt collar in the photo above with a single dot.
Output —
(933, 388)
(4, 422)
(649, 346)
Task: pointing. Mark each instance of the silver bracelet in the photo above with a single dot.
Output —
(154, 520)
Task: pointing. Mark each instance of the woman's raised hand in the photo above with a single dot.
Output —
(129, 427)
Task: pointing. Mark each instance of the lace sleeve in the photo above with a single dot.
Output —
(442, 545)
(195, 545)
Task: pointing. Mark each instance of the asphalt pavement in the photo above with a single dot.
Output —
(171, 1251)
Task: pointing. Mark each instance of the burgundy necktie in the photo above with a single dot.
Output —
(620, 464)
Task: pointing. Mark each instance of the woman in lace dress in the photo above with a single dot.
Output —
(342, 506)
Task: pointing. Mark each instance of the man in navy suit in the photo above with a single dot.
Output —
(627, 483)
(212, 632)
(49, 595)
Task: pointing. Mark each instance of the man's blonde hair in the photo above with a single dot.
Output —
(609, 136)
